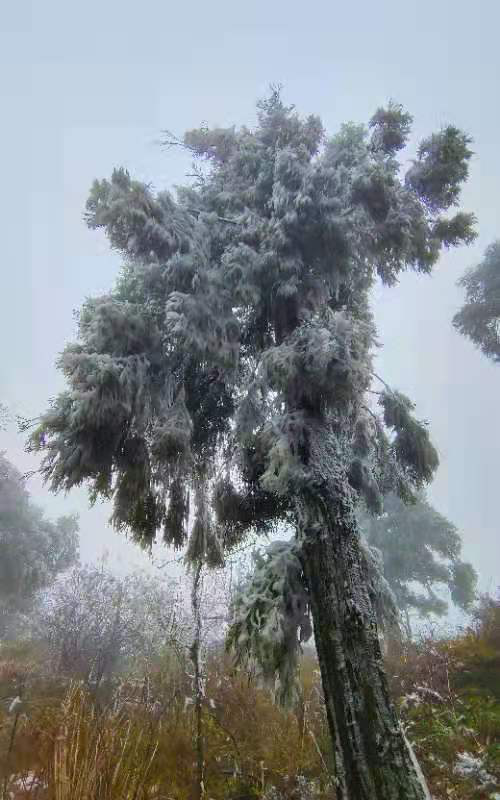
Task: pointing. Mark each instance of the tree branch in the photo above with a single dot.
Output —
(197, 212)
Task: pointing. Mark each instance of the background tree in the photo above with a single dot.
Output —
(33, 550)
(419, 546)
(96, 624)
(478, 652)
(234, 359)
(479, 317)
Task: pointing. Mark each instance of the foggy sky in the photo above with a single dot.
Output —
(89, 86)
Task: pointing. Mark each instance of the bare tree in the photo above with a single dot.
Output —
(96, 623)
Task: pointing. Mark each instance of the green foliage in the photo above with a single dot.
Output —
(239, 512)
(391, 128)
(478, 651)
(479, 317)
(460, 228)
(462, 584)
(205, 545)
(441, 167)
(176, 517)
(450, 703)
(411, 444)
(420, 547)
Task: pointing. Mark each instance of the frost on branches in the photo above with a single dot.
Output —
(270, 617)
(233, 361)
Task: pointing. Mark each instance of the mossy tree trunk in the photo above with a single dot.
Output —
(374, 760)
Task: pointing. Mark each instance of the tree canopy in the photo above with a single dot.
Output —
(241, 307)
(479, 317)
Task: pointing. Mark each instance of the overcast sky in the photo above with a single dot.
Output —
(89, 86)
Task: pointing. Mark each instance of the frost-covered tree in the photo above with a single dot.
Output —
(479, 317)
(420, 551)
(233, 360)
(95, 623)
(33, 549)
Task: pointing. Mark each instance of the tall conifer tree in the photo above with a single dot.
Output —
(233, 360)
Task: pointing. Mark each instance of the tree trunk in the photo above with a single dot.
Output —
(199, 789)
(409, 633)
(374, 761)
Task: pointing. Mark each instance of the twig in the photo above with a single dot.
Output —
(223, 728)
(367, 408)
(198, 211)
(311, 734)
(9, 752)
(382, 381)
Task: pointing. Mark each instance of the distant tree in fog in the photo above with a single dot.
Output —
(420, 552)
(96, 623)
(479, 317)
(33, 549)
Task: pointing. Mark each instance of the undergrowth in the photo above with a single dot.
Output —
(133, 739)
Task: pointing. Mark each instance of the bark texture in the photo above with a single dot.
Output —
(373, 758)
(199, 788)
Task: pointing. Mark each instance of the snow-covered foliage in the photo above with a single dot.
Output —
(234, 357)
(270, 613)
(4, 414)
(270, 617)
(93, 624)
(382, 596)
(411, 444)
(440, 168)
(303, 789)
(470, 766)
(247, 295)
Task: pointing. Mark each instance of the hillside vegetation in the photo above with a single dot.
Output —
(132, 735)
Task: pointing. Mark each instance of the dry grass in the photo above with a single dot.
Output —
(69, 745)
(141, 749)
(84, 753)
(100, 755)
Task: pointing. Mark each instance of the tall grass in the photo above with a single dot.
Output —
(100, 754)
(136, 740)
(81, 752)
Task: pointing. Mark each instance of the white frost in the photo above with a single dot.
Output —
(469, 766)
